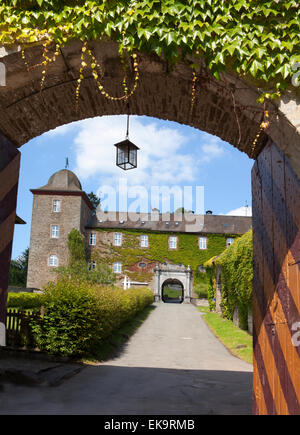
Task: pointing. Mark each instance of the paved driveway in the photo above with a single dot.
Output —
(173, 365)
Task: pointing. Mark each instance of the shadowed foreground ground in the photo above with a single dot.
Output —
(172, 365)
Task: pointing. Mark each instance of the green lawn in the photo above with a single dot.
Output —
(171, 292)
(237, 341)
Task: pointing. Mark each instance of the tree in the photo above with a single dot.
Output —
(95, 200)
(18, 270)
(78, 267)
(102, 274)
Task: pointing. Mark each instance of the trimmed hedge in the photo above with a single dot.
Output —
(80, 316)
(24, 301)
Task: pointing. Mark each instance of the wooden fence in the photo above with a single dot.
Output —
(18, 328)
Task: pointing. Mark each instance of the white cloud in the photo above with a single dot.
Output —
(64, 129)
(241, 211)
(161, 159)
(167, 156)
(211, 149)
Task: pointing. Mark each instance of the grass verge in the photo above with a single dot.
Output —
(237, 341)
(112, 346)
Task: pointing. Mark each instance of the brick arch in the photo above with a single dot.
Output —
(227, 109)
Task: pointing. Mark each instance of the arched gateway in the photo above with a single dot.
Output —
(228, 109)
(171, 273)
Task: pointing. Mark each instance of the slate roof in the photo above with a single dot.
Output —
(217, 224)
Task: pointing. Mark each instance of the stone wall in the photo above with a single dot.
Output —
(72, 215)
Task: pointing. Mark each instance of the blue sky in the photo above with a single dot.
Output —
(170, 155)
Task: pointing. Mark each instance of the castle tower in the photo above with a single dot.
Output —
(58, 207)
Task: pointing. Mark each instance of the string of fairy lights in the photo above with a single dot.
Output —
(88, 61)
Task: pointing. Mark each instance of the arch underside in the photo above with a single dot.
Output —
(227, 109)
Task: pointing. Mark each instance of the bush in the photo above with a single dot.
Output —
(24, 301)
(78, 316)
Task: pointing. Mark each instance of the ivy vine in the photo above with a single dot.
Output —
(130, 253)
(258, 39)
(237, 275)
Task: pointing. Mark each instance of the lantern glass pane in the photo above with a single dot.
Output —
(122, 156)
(126, 155)
(132, 157)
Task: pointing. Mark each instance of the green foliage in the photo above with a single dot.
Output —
(78, 269)
(24, 301)
(102, 274)
(253, 38)
(211, 289)
(18, 270)
(187, 251)
(81, 272)
(79, 316)
(237, 275)
(76, 246)
(95, 200)
(201, 284)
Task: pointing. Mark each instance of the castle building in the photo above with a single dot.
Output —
(151, 249)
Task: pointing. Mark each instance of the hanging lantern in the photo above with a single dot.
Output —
(126, 152)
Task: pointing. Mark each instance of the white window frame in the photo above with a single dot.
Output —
(227, 241)
(53, 260)
(56, 206)
(172, 242)
(144, 241)
(202, 242)
(117, 239)
(117, 267)
(54, 231)
(92, 239)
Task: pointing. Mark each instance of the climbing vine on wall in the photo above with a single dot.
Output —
(253, 38)
(187, 253)
(257, 40)
(236, 275)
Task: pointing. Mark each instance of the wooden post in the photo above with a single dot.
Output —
(276, 284)
(9, 177)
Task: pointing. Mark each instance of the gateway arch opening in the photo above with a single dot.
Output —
(172, 291)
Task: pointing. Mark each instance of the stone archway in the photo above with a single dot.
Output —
(172, 285)
(168, 272)
(226, 108)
